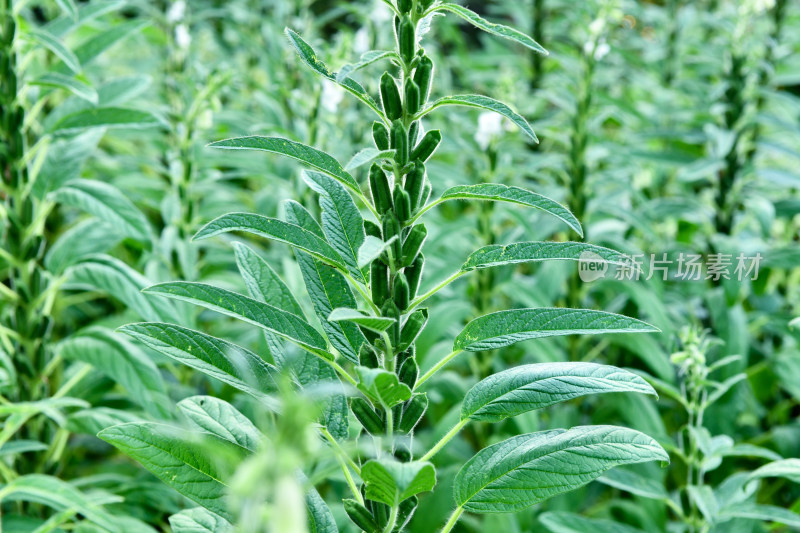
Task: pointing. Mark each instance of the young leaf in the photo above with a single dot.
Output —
(341, 220)
(275, 229)
(220, 418)
(199, 520)
(563, 522)
(382, 387)
(528, 387)
(320, 518)
(766, 513)
(525, 252)
(263, 283)
(52, 43)
(311, 58)
(495, 29)
(196, 465)
(105, 117)
(489, 104)
(107, 203)
(367, 58)
(503, 193)
(305, 154)
(372, 248)
(504, 328)
(278, 321)
(390, 482)
(521, 471)
(367, 156)
(328, 290)
(68, 83)
(377, 324)
(785, 468)
(229, 363)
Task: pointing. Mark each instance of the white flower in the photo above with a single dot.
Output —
(490, 126)
(331, 96)
(176, 12)
(182, 37)
(361, 41)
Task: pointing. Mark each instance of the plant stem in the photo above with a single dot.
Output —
(444, 440)
(429, 374)
(419, 299)
(453, 519)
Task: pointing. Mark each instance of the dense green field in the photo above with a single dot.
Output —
(384, 266)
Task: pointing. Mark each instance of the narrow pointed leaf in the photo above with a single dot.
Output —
(275, 229)
(220, 418)
(785, 468)
(525, 252)
(199, 520)
(489, 104)
(320, 517)
(373, 323)
(390, 481)
(367, 156)
(311, 58)
(372, 248)
(528, 387)
(490, 27)
(503, 193)
(263, 315)
(563, 522)
(524, 470)
(341, 220)
(764, 513)
(196, 465)
(52, 43)
(504, 328)
(105, 117)
(305, 154)
(222, 360)
(68, 83)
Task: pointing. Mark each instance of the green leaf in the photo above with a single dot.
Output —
(93, 47)
(238, 367)
(367, 156)
(390, 481)
(328, 290)
(278, 321)
(81, 241)
(525, 252)
(305, 154)
(341, 220)
(504, 328)
(382, 387)
(124, 363)
(785, 468)
(373, 323)
(367, 58)
(766, 513)
(634, 483)
(199, 520)
(52, 43)
(524, 470)
(504, 193)
(372, 248)
(59, 495)
(107, 203)
(563, 522)
(528, 387)
(220, 418)
(275, 229)
(65, 160)
(489, 104)
(68, 83)
(196, 465)
(489, 27)
(310, 58)
(320, 518)
(105, 117)
(22, 446)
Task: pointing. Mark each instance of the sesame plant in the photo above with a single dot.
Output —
(362, 263)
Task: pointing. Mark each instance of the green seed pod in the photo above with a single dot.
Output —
(426, 146)
(427, 189)
(379, 282)
(404, 6)
(371, 228)
(367, 356)
(367, 416)
(412, 412)
(413, 243)
(400, 291)
(399, 142)
(414, 183)
(390, 96)
(412, 94)
(405, 355)
(413, 133)
(380, 511)
(412, 328)
(391, 227)
(361, 517)
(413, 274)
(407, 39)
(408, 373)
(404, 512)
(380, 135)
(379, 187)
(389, 309)
(422, 77)
(402, 203)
